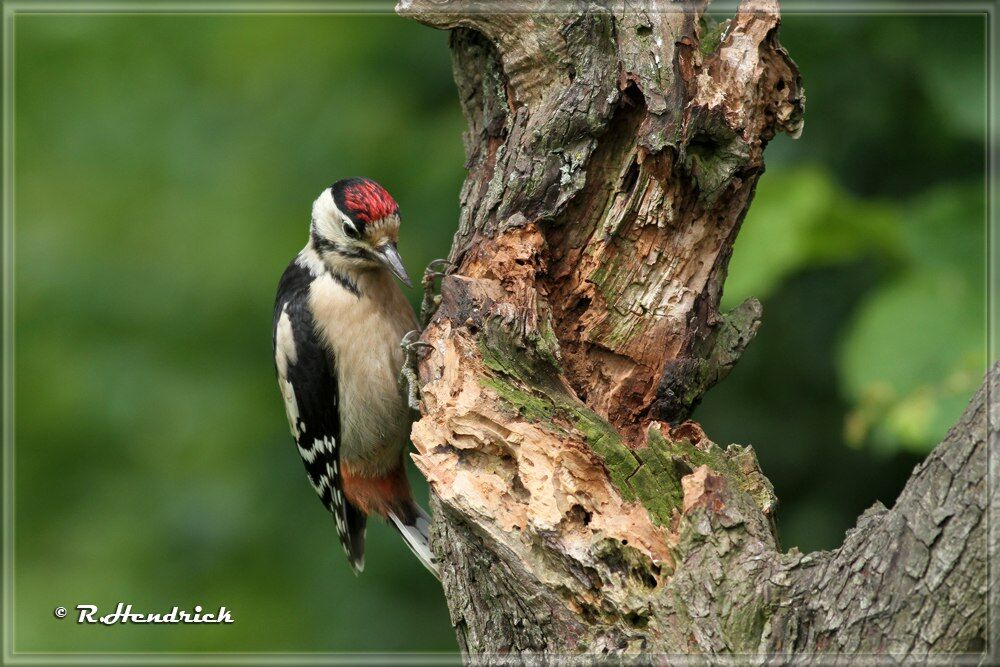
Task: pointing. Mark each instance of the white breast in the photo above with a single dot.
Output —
(364, 334)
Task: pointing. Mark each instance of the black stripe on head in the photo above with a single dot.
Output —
(320, 243)
(357, 253)
(339, 192)
(324, 245)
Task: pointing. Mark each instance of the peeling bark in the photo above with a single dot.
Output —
(612, 156)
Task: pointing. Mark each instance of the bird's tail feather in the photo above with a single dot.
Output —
(414, 527)
(353, 539)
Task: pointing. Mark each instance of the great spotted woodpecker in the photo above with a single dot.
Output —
(339, 319)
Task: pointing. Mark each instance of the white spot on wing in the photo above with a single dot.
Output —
(327, 444)
(284, 355)
(285, 342)
(321, 485)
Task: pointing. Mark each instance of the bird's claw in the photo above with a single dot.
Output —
(438, 268)
(408, 377)
(412, 340)
(445, 264)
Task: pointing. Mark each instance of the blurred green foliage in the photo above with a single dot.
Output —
(165, 165)
(866, 243)
(165, 169)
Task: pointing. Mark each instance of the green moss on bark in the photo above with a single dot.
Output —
(745, 625)
(525, 375)
(737, 463)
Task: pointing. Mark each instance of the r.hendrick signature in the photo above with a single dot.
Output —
(123, 614)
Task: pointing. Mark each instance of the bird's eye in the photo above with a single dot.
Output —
(350, 230)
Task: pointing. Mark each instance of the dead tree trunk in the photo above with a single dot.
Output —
(613, 152)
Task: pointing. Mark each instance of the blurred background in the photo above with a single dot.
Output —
(165, 167)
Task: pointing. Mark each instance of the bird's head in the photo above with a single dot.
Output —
(355, 223)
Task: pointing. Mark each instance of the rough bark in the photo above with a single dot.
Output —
(613, 151)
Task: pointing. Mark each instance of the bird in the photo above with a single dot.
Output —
(339, 320)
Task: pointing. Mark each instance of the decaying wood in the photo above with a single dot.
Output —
(613, 151)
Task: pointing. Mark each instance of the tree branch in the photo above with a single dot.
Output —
(910, 580)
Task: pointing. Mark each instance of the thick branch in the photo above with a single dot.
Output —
(910, 580)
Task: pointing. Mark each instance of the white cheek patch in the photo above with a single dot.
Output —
(328, 220)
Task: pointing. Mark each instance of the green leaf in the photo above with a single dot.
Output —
(917, 348)
(801, 218)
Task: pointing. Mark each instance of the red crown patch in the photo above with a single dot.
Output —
(368, 201)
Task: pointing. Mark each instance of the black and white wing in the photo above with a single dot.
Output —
(307, 377)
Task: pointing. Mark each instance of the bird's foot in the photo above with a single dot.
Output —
(438, 268)
(409, 378)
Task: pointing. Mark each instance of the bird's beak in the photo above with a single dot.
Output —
(389, 256)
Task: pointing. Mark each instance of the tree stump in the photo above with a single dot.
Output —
(613, 151)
